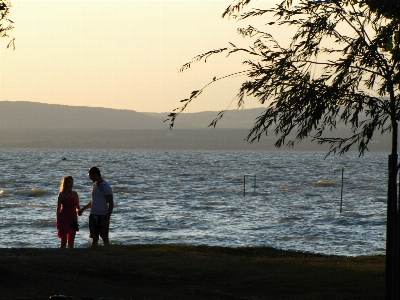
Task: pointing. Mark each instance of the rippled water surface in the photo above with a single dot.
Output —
(196, 197)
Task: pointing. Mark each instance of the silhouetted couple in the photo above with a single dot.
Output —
(101, 207)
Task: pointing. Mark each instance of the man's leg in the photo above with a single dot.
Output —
(104, 228)
(95, 242)
(94, 228)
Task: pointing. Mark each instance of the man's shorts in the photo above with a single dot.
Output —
(98, 226)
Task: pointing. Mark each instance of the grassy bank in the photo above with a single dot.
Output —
(187, 272)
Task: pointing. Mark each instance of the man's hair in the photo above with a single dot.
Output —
(94, 170)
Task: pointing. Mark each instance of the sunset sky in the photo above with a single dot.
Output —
(121, 54)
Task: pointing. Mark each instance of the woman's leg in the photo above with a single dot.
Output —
(63, 241)
(71, 240)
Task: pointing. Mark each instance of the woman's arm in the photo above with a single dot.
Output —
(78, 207)
(58, 207)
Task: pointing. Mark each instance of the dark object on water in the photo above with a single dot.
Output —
(74, 225)
(58, 297)
(63, 158)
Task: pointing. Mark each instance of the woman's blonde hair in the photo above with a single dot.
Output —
(63, 181)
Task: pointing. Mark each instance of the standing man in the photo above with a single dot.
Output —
(101, 206)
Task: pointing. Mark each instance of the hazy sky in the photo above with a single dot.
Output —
(120, 54)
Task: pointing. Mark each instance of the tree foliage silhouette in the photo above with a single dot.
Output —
(350, 86)
(6, 25)
(340, 66)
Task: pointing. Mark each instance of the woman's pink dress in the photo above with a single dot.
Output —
(67, 215)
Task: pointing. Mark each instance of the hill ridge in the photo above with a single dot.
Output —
(36, 115)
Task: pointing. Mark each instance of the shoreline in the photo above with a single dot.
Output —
(161, 139)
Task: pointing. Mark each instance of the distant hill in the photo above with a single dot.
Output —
(33, 115)
(38, 125)
(233, 119)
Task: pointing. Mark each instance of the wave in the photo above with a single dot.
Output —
(34, 192)
(210, 203)
(20, 204)
(312, 195)
(326, 182)
(362, 187)
(125, 191)
(44, 223)
(4, 193)
(218, 191)
(306, 237)
(379, 199)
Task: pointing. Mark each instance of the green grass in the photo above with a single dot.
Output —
(188, 272)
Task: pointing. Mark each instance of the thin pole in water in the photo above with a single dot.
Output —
(244, 185)
(341, 191)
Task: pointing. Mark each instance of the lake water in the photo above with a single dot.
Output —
(196, 197)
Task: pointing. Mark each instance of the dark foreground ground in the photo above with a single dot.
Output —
(187, 272)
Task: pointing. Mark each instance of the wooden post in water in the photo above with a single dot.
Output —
(341, 191)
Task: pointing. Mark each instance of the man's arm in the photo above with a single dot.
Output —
(110, 201)
(89, 205)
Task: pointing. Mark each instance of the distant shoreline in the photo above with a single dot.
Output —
(157, 139)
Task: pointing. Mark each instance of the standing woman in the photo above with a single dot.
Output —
(67, 206)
